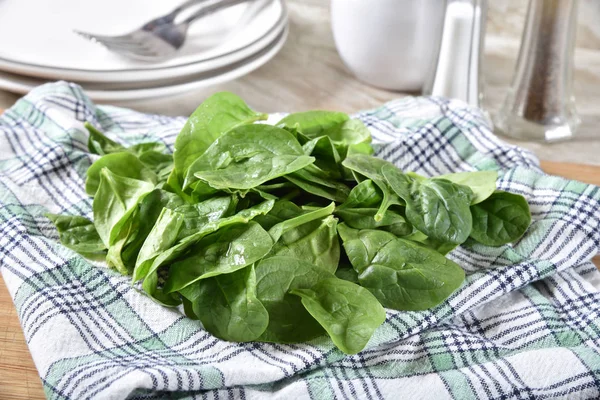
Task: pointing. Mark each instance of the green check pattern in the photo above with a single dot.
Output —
(525, 324)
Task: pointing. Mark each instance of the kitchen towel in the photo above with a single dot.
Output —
(525, 324)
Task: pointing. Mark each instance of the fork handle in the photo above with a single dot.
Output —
(212, 8)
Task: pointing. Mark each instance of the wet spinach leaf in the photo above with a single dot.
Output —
(222, 252)
(78, 233)
(248, 156)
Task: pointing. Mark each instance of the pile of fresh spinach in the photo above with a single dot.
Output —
(242, 224)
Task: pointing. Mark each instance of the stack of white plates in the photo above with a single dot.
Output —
(38, 45)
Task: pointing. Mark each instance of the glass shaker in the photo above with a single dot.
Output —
(540, 104)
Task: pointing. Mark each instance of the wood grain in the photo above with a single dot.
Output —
(18, 377)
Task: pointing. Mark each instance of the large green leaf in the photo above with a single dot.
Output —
(364, 195)
(437, 207)
(338, 127)
(315, 241)
(164, 245)
(289, 322)
(123, 164)
(349, 313)
(403, 275)
(314, 123)
(116, 197)
(228, 307)
(78, 233)
(500, 219)
(482, 183)
(248, 156)
(440, 209)
(218, 114)
(223, 252)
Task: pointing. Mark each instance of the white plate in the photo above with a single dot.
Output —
(22, 85)
(53, 51)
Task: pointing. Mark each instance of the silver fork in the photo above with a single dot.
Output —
(160, 38)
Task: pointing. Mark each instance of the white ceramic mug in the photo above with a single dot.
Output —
(390, 44)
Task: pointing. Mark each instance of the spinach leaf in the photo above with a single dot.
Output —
(401, 274)
(98, 143)
(228, 307)
(440, 209)
(159, 241)
(500, 219)
(372, 168)
(164, 243)
(436, 207)
(290, 216)
(482, 183)
(343, 131)
(123, 253)
(223, 252)
(441, 247)
(289, 322)
(216, 115)
(248, 156)
(314, 123)
(315, 242)
(327, 158)
(123, 164)
(195, 216)
(349, 313)
(124, 234)
(364, 218)
(310, 180)
(347, 273)
(115, 199)
(77, 233)
(364, 195)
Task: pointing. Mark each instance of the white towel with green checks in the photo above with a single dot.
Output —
(525, 324)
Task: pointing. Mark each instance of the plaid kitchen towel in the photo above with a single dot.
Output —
(525, 324)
